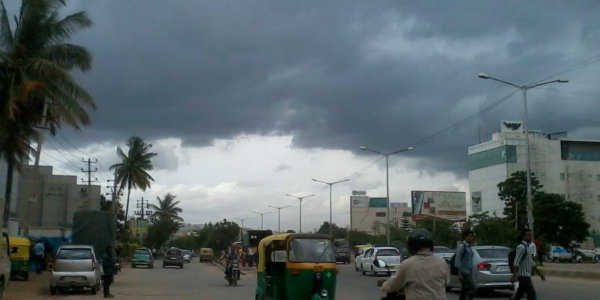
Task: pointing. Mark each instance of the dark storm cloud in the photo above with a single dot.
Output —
(335, 74)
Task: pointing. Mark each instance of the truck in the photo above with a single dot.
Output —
(254, 237)
(94, 228)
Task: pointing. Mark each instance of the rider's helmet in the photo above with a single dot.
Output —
(418, 239)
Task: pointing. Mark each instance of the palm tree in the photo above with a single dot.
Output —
(35, 64)
(167, 209)
(132, 170)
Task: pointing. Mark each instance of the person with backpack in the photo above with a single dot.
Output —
(463, 263)
(523, 267)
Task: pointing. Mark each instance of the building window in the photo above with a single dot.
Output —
(562, 176)
(380, 214)
(597, 177)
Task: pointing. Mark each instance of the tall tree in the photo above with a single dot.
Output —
(167, 209)
(492, 230)
(512, 192)
(35, 64)
(559, 221)
(132, 170)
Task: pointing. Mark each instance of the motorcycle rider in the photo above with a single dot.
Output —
(231, 257)
(422, 275)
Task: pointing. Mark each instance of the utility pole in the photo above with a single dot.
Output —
(300, 199)
(143, 204)
(262, 214)
(279, 208)
(89, 170)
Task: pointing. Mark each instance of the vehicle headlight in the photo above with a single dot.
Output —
(324, 293)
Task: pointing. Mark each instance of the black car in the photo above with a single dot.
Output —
(342, 254)
(173, 257)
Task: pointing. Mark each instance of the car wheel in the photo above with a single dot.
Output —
(94, 290)
(362, 270)
(373, 273)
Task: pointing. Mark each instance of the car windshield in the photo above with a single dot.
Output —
(188, 252)
(388, 252)
(493, 253)
(74, 254)
(141, 252)
(441, 249)
(311, 250)
(173, 252)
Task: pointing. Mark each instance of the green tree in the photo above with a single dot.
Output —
(558, 221)
(492, 230)
(338, 232)
(219, 236)
(35, 65)
(132, 170)
(167, 208)
(160, 231)
(512, 192)
(445, 233)
(186, 242)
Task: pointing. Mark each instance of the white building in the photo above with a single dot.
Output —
(564, 166)
(368, 214)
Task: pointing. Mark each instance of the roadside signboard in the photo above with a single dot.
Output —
(451, 206)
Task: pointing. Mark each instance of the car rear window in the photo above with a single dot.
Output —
(493, 253)
(442, 250)
(74, 254)
(173, 252)
(388, 252)
(141, 252)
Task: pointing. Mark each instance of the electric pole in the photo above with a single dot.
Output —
(144, 206)
(89, 170)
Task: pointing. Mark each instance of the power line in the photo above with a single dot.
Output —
(582, 64)
(68, 160)
(71, 144)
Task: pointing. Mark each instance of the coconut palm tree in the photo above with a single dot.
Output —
(132, 170)
(35, 64)
(166, 209)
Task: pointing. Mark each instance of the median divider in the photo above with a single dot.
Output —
(571, 272)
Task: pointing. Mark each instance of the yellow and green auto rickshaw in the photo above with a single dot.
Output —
(19, 256)
(296, 267)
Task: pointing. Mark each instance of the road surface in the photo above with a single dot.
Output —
(205, 281)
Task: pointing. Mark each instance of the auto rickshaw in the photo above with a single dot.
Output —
(19, 256)
(296, 267)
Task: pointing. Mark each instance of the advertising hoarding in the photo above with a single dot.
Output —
(451, 206)
(359, 201)
(476, 202)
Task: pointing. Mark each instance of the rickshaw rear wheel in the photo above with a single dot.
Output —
(26, 276)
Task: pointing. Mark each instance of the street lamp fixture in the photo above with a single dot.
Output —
(262, 214)
(242, 231)
(524, 89)
(300, 199)
(387, 182)
(330, 184)
(279, 208)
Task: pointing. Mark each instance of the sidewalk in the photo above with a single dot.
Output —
(37, 287)
(583, 270)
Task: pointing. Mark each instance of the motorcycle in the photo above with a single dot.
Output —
(233, 273)
(389, 296)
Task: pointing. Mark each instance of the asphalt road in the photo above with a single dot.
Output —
(205, 281)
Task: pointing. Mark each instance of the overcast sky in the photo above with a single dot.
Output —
(245, 101)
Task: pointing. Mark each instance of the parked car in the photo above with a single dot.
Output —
(187, 256)
(390, 255)
(582, 255)
(359, 257)
(206, 254)
(560, 254)
(142, 257)
(173, 257)
(490, 269)
(443, 252)
(75, 267)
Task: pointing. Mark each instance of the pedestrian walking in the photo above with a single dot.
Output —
(38, 256)
(250, 257)
(524, 266)
(108, 266)
(464, 264)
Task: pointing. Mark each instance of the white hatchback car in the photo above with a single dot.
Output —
(358, 259)
(76, 267)
(390, 255)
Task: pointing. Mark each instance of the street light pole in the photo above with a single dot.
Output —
(300, 199)
(524, 89)
(330, 184)
(242, 232)
(279, 208)
(262, 214)
(387, 183)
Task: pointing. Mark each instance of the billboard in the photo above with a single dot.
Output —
(451, 206)
(378, 202)
(476, 202)
(359, 201)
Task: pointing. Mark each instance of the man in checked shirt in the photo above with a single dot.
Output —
(524, 266)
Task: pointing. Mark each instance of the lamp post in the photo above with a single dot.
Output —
(242, 232)
(300, 199)
(330, 184)
(262, 214)
(279, 208)
(387, 183)
(524, 89)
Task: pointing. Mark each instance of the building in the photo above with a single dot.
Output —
(564, 166)
(46, 200)
(139, 227)
(368, 214)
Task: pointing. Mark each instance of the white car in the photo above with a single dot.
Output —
(390, 255)
(358, 259)
(443, 252)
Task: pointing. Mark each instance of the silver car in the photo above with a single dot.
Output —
(76, 267)
(443, 252)
(490, 269)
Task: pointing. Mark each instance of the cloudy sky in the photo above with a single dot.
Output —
(245, 101)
